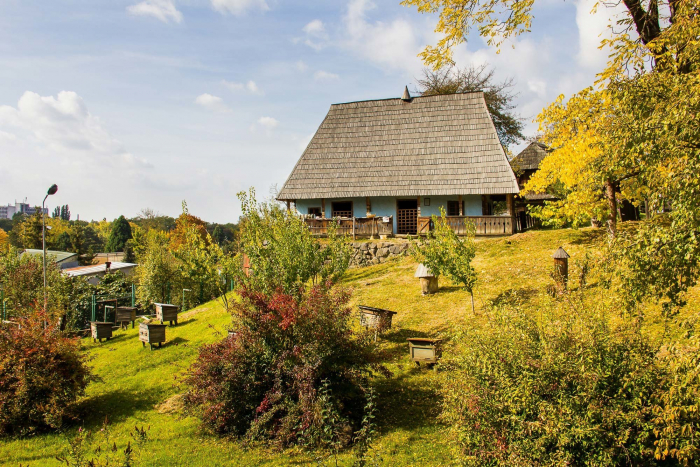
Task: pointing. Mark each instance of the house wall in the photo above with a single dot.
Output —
(472, 205)
(386, 205)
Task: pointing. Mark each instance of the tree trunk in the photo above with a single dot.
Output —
(472, 294)
(612, 206)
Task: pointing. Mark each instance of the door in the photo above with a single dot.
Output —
(407, 216)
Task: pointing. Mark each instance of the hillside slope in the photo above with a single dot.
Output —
(137, 384)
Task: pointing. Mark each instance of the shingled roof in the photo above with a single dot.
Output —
(530, 157)
(421, 146)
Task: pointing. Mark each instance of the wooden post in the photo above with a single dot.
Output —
(461, 206)
(353, 227)
(511, 213)
(369, 205)
(418, 204)
(323, 207)
(288, 206)
(561, 268)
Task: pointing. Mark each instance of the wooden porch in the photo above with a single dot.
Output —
(353, 226)
(485, 225)
(378, 226)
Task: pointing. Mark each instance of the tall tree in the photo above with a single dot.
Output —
(120, 233)
(65, 212)
(30, 230)
(498, 95)
(56, 212)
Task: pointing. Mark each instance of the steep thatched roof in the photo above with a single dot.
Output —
(421, 146)
(530, 157)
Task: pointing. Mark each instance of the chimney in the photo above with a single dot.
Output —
(406, 95)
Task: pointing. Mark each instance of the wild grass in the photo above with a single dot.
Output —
(137, 385)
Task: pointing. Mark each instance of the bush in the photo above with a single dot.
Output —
(294, 373)
(42, 375)
(570, 390)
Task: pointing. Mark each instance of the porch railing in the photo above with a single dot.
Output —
(353, 226)
(485, 225)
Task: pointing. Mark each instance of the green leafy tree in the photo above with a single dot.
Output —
(30, 230)
(65, 213)
(283, 252)
(79, 244)
(119, 234)
(157, 273)
(444, 253)
(63, 242)
(498, 95)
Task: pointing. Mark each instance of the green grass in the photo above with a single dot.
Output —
(136, 381)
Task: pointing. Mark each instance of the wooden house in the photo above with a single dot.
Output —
(385, 166)
(525, 164)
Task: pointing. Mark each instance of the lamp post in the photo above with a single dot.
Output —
(52, 191)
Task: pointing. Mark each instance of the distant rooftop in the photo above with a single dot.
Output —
(97, 269)
(58, 256)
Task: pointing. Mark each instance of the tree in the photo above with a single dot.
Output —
(499, 20)
(184, 222)
(82, 240)
(499, 98)
(63, 242)
(30, 229)
(56, 212)
(119, 234)
(282, 251)
(444, 253)
(65, 213)
(4, 241)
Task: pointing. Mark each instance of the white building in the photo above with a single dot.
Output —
(6, 212)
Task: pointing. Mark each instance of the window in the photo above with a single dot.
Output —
(453, 208)
(341, 209)
(426, 201)
(315, 212)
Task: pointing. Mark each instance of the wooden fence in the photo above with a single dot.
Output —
(353, 226)
(485, 225)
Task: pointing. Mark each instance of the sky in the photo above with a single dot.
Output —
(134, 104)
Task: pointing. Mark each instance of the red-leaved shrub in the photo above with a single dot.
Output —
(42, 374)
(294, 367)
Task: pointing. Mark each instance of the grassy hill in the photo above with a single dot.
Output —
(137, 385)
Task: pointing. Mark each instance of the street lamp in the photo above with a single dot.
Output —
(52, 191)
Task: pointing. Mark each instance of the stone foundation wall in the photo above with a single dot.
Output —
(369, 253)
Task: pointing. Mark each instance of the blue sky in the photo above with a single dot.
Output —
(145, 103)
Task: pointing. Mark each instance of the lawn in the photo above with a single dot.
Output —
(137, 385)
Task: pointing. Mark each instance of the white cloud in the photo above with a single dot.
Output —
(301, 66)
(316, 35)
(211, 102)
(268, 123)
(63, 127)
(592, 29)
(251, 86)
(321, 75)
(537, 86)
(392, 45)
(238, 7)
(164, 10)
(315, 27)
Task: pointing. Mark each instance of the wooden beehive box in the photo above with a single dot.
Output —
(152, 333)
(375, 318)
(125, 314)
(424, 350)
(100, 330)
(166, 312)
